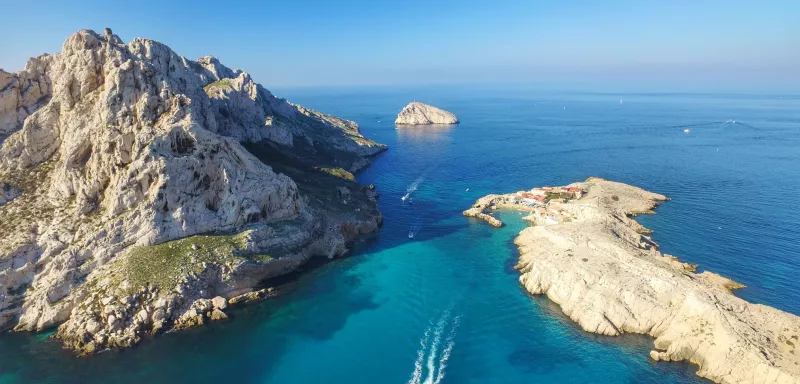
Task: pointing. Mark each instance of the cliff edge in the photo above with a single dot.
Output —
(143, 191)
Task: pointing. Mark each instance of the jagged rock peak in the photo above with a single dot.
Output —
(416, 113)
(115, 146)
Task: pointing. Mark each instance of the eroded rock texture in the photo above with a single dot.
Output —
(416, 113)
(128, 198)
(610, 278)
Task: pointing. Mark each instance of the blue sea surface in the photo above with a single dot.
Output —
(446, 306)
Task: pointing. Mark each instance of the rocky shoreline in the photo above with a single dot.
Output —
(143, 192)
(594, 261)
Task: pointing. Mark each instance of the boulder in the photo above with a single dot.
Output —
(216, 314)
(158, 315)
(219, 302)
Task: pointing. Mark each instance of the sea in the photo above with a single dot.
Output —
(446, 306)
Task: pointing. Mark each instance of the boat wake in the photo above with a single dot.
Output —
(411, 188)
(429, 355)
(414, 229)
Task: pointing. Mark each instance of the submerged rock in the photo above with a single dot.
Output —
(611, 279)
(132, 172)
(416, 113)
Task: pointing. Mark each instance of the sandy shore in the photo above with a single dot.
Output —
(603, 271)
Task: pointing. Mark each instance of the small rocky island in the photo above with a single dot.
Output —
(586, 253)
(143, 192)
(416, 113)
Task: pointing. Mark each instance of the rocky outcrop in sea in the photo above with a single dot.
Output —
(416, 113)
(141, 191)
(599, 266)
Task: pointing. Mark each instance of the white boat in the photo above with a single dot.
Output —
(687, 130)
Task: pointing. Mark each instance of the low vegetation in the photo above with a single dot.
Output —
(222, 83)
(558, 195)
(339, 172)
(30, 183)
(164, 265)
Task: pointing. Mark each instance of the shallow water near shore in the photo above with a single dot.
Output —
(446, 305)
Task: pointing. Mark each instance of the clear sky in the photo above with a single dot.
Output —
(373, 42)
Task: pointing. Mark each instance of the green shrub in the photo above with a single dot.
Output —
(339, 172)
(163, 265)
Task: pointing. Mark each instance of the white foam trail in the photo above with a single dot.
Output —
(423, 344)
(412, 232)
(451, 342)
(429, 351)
(413, 187)
(437, 337)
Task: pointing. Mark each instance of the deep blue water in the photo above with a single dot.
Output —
(735, 190)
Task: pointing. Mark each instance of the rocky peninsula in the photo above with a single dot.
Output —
(416, 113)
(586, 253)
(141, 191)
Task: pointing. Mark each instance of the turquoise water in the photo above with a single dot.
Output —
(446, 306)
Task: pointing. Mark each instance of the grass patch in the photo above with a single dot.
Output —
(164, 265)
(558, 195)
(338, 172)
(222, 83)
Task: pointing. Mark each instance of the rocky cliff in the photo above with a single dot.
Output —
(611, 279)
(416, 113)
(139, 190)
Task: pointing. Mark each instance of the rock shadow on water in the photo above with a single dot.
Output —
(509, 265)
(397, 236)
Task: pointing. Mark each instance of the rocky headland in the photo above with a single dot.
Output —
(416, 113)
(141, 191)
(589, 256)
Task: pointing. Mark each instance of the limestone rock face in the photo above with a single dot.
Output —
(22, 93)
(117, 151)
(416, 113)
(246, 111)
(611, 279)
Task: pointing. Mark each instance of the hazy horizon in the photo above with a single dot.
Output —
(713, 46)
